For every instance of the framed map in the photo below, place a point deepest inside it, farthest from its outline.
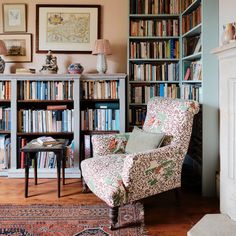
(67, 28)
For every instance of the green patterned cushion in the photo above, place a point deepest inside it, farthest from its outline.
(141, 141)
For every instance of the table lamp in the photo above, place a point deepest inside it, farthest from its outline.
(102, 48)
(3, 51)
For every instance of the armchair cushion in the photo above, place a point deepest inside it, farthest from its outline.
(140, 141)
(109, 144)
(103, 177)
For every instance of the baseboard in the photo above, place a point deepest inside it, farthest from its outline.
(44, 173)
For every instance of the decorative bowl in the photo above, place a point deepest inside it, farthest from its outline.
(75, 68)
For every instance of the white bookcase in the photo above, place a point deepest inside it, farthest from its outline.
(13, 171)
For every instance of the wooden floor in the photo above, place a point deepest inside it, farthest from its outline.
(162, 216)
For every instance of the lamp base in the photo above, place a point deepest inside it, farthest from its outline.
(2, 65)
(101, 64)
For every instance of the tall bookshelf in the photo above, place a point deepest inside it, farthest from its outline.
(31, 97)
(198, 28)
(153, 54)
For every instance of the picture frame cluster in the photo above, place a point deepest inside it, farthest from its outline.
(17, 41)
(59, 28)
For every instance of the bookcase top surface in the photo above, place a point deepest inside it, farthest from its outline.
(61, 76)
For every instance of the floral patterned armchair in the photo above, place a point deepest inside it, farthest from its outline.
(119, 178)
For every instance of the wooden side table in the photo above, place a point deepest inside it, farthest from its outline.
(31, 150)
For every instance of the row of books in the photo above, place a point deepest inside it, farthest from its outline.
(185, 4)
(163, 49)
(192, 45)
(194, 71)
(150, 72)
(5, 90)
(157, 28)
(154, 6)
(142, 94)
(45, 90)
(44, 159)
(191, 20)
(100, 119)
(41, 121)
(192, 92)
(100, 89)
(137, 115)
(5, 152)
(5, 118)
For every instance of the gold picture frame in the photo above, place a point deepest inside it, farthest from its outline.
(14, 17)
(19, 47)
(67, 28)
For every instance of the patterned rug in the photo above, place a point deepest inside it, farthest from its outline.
(69, 220)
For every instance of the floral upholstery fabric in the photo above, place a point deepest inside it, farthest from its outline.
(103, 177)
(109, 144)
(143, 174)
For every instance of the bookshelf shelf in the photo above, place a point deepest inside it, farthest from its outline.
(154, 82)
(5, 132)
(153, 60)
(45, 101)
(99, 100)
(5, 101)
(153, 37)
(191, 81)
(194, 31)
(138, 104)
(195, 56)
(191, 7)
(46, 134)
(154, 16)
(88, 132)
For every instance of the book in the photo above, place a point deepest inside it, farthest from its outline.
(187, 75)
(57, 107)
(47, 141)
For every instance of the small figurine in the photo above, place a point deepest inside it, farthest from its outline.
(51, 64)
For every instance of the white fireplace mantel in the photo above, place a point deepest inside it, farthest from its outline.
(224, 224)
(227, 102)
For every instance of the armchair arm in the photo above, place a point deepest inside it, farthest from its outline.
(148, 173)
(109, 144)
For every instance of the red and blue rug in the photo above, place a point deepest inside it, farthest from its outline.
(69, 220)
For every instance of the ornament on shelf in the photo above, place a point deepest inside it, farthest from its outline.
(75, 68)
(229, 34)
(50, 67)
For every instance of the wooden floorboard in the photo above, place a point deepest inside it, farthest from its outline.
(162, 216)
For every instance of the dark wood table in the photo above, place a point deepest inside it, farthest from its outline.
(31, 150)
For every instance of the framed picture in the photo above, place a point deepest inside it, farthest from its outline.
(14, 17)
(19, 47)
(67, 28)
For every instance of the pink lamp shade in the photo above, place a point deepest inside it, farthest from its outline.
(102, 46)
(3, 49)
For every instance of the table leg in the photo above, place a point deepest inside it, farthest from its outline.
(35, 169)
(63, 166)
(26, 174)
(58, 155)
